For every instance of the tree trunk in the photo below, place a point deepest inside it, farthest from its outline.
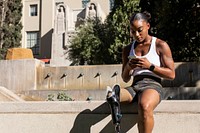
(3, 15)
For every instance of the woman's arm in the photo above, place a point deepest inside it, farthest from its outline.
(125, 64)
(167, 63)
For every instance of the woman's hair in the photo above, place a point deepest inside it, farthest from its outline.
(146, 16)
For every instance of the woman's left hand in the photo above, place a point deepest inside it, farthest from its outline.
(143, 63)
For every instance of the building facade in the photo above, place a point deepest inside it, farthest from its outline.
(45, 20)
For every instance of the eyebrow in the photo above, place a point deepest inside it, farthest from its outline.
(137, 28)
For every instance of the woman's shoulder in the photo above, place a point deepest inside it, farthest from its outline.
(160, 43)
(126, 50)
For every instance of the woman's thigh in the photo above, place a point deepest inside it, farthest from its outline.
(149, 98)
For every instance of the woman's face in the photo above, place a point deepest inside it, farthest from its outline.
(139, 30)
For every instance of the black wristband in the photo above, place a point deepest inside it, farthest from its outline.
(152, 67)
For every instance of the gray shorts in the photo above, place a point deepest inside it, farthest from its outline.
(145, 83)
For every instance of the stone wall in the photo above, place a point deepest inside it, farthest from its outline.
(79, 77)
(18, 75)
(100, 76)
(32, 74)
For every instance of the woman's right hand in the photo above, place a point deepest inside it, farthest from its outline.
(133, 63)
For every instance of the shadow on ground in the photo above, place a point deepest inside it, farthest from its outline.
(88, 118)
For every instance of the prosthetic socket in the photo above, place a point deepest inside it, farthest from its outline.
(113, 99)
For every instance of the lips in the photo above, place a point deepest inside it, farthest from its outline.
(139, 39)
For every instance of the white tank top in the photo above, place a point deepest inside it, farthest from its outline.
(152, 57)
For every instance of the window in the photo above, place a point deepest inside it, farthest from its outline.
(84, 3)
(33, 10)
(33, 42)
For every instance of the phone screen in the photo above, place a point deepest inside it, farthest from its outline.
(131, 57)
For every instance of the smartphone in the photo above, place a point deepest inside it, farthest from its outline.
(131, 57)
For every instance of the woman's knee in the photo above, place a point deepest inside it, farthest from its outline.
(145, 108)
(148, 100)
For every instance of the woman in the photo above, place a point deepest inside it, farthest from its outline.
(147, 59)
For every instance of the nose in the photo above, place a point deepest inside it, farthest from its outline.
(137, 34)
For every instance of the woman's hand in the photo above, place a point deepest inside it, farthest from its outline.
(133, 63)
(139, 62)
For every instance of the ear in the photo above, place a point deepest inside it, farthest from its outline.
(148, 25)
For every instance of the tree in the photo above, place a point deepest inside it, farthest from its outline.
(177, 23)
(101, 43)
(91, 44)
(119, 19)
(10, 25)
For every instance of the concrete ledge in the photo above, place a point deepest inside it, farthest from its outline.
(7, 95)
(166, 106)
(94, 117)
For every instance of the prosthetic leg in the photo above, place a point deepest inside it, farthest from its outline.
(113, 99)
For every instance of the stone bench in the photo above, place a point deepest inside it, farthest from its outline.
(177, 116)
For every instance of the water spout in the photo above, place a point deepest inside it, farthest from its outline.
(114, 74)
(47, 76)
(97, 75)
(80, 75)
(63, 76)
